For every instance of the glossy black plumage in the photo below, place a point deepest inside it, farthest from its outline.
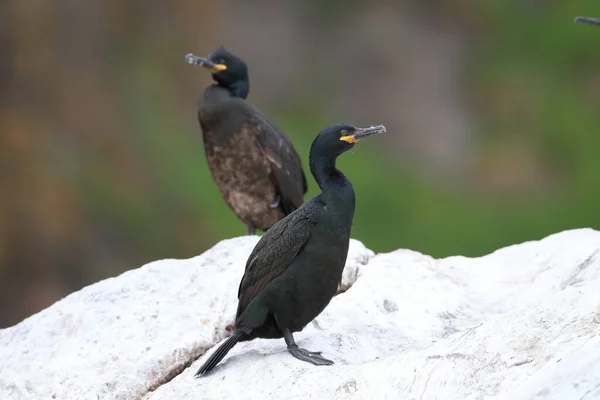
(253, 163)
(294, 270)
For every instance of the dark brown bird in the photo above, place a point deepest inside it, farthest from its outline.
(257, 170)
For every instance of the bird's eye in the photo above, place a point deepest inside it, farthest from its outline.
(343, 132)
(222, 61)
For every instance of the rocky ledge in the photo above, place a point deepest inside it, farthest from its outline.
(520, 323)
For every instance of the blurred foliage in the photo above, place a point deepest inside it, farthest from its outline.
(103, 166)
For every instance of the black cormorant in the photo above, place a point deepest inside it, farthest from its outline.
(587, 20)
(257, 170)
(296, 266)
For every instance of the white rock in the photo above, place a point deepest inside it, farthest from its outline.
(520, 323)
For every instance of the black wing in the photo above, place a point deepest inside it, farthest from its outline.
(286, 167)
(273, 254)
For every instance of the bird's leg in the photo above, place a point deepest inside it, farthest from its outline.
(250, 230)
(275, 202)
(313, 357)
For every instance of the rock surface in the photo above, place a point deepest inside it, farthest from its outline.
(520, 323)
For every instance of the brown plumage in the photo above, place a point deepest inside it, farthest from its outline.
(255, 166)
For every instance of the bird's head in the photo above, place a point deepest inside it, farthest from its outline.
(227, 69)
(337, 139)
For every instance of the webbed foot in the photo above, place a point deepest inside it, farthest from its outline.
(313, 357)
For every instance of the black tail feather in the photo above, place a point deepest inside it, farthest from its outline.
(221, 352)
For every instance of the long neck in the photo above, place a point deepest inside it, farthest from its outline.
(324, 171)
(336, 190)
(331, 180)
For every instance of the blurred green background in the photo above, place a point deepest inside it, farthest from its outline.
(492, 110)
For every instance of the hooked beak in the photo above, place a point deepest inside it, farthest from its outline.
(362, 133)
(586, 20)
(205, 62)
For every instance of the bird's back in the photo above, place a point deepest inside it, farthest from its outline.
(252, 161)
